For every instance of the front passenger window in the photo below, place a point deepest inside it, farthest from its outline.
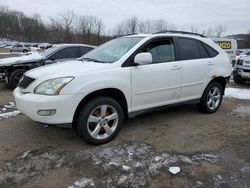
(161, 51)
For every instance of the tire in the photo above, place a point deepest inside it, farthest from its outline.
(237, 79)
(93, 124)
(25, 51)
(211, 98)
(14, 78)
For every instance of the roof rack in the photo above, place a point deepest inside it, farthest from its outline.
(181, 32)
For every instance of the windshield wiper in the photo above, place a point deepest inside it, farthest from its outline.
(94, 60)
(91, 59)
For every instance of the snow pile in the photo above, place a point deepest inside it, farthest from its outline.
(241, 111)
(83, 182)
(9, 114)
(237, 93)
(8, 110)
(174, 169)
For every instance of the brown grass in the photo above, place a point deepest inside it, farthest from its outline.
(4, 50)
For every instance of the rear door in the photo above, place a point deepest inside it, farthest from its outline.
(197, 66)
(159, 83)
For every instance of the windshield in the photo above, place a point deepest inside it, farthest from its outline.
(111, 51)
(47, 52)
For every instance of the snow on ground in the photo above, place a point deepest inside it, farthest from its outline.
(237, 93)
(83, 182)
(127, 165)
(174, 169)
(241, 111)
(8, 110)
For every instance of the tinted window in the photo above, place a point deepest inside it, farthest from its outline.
(161, 51)
(211, 51)
(203, 51)
(66, 53)
(189, 49)
(84, 50)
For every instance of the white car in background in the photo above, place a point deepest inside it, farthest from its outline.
(241, 71)
(124, 78)
(230, 46)
(20, 48)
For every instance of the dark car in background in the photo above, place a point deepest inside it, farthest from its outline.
(12, 69)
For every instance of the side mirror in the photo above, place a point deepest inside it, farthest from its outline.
(143, 59)
(49, 61)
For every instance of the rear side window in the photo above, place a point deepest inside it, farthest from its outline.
(211, 51)
(203, 51)
(84, 50)
(67, 53)
(161, 50)
(189, 49)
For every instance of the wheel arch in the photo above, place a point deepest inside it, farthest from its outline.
(221, 80)
(114, 93)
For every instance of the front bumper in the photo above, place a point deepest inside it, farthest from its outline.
(244, 73)
(65, 106)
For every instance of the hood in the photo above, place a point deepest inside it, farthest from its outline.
(245, 57)
(68, 68)
(35, 56)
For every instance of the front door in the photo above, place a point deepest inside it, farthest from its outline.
(159, 83)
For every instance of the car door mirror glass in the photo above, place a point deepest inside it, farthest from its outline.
(49, 61)
(143, 58)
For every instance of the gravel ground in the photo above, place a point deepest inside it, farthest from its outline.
(210, 150)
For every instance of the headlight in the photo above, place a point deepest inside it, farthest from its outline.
(53, 86)
(247, 62)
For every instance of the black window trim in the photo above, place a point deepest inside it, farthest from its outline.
(130, 60)
(202, 43)
(62, 48)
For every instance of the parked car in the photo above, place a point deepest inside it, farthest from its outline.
(241, 71)
(124, 78)
(13, 68)
(45, 46)
(20, 48)
(230, 46)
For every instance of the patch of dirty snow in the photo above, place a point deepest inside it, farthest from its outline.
(245, 169)
(174, 169)
(241, 111)
(8, 110)
(9, 114)
(127, 165)
(237, 93)
(126, 168)
(83, 182)
(10, 105)
(25, 154)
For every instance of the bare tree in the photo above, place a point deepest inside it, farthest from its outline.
(194, 29)
(209, 32)
(133, 25)
(64, 24)
(248, 39)
(220, 30)
(128, 26)
(90, 28)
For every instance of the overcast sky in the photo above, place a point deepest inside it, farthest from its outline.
(235, 15)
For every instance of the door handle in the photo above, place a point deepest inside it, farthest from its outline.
(176, 67)
(210, 63)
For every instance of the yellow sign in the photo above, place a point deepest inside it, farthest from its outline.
(225, 45)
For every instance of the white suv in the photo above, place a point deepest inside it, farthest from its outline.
(123, 78)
